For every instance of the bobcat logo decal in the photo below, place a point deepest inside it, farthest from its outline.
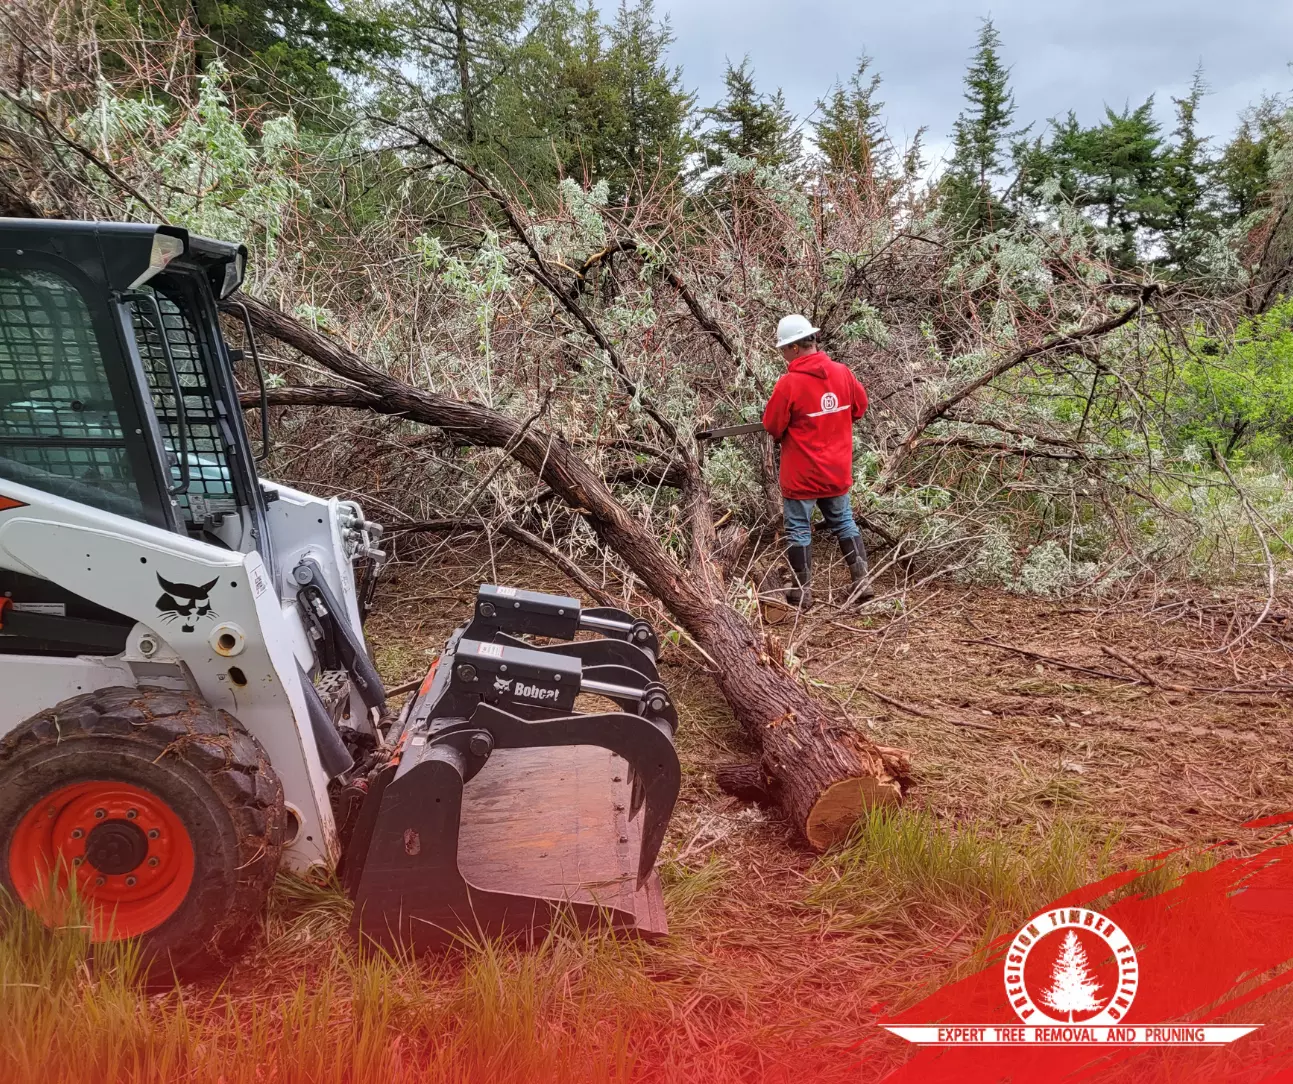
(187, 603)
(502, 685)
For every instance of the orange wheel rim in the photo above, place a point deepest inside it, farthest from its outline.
(128, 850)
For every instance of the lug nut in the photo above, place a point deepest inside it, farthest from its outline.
(77, 861)
(153, 833)
(77, 833)
(99, 814)
(98, 882)
(154, 860)
(131, 814)
(130, 882)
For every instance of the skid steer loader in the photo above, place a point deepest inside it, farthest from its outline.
(187, 701)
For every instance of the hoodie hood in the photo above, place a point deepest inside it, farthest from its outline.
(813, 364)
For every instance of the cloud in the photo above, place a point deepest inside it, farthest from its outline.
(1063, 56)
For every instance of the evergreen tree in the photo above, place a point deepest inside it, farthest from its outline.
(655, 105)
(1188, 188)
(285, 52)
(463, 49)
(1114, 171)
(980, 139)
(850, 134)
(750, 124)
(1244, 169)
(626, 113)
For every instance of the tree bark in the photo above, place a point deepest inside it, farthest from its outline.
(823, 772)
(748, 782)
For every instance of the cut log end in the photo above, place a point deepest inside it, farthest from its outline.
(839, 806)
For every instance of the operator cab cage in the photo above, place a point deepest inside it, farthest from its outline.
(115, 382)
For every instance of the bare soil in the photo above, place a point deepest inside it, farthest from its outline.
(1135, 729)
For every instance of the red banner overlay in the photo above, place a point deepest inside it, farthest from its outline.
(1088, 985)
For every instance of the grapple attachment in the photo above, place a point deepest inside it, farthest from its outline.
(503, 806)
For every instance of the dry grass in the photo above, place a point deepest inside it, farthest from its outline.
(778, 960)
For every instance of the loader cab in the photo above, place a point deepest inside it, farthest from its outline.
(116, 385)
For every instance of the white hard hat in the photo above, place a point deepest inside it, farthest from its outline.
(792, 328)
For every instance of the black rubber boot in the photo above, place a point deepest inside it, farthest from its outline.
(800, 559)
(855, 557)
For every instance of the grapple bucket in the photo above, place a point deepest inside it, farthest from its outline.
(502, 806)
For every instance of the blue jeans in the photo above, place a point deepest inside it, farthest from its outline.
(837, 511)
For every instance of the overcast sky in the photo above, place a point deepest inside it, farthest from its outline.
(1062, 54)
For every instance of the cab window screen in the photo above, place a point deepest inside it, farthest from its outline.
(210, 488)
(59, 427)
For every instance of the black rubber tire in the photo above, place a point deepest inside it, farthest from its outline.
(214, 775)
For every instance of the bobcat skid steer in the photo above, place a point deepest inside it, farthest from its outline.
(187, 702)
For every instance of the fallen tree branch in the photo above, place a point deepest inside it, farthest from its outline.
(1139, 676)
(1251, 515)
(539, 269)
(920, 713)
(827, 773)
(1067, 341)
(56, 132)
(513, 530)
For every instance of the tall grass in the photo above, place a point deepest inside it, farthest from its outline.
(305, 1004)
(557, 1012)
(903, 871)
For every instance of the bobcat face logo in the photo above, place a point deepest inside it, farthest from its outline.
(502, 685)
(185, 602)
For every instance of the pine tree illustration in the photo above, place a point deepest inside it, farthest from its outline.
(1073, 987)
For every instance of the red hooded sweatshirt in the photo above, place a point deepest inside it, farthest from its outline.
(811, 414)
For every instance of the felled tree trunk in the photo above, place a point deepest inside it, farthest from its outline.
(823, 773)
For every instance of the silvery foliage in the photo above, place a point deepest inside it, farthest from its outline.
(731, 475)
(1046, 570)
(784, 190)
(208, 174)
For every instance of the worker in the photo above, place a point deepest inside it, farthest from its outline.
(811, 415)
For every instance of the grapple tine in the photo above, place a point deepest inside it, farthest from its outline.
(600, 652)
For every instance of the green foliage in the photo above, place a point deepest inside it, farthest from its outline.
(536, 90)
(980, 139)
(285, 52)
(459, 52)
(1245, 168)
(1238, 397)
(749, 124)
(209, 175)
(850, 133)
(1188, 187)
(1113, 171)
